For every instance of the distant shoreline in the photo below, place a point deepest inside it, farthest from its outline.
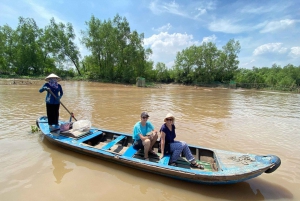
(18, 81)
(30, 81)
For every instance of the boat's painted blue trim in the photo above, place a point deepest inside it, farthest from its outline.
(130, 152)
(112, 143)
(216, 182)
(89, 136)
(165, 160)
(79, 144)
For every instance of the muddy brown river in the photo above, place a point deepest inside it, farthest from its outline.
(248, 121)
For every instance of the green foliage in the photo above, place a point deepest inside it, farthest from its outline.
(162, 73)
(29, 50)
(34, 128)
(206, 64)
(61, 43)
(117, 53)
(286, 78)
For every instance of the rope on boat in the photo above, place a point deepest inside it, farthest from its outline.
(244, 159)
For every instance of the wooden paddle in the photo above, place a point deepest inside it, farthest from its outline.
(71, 113)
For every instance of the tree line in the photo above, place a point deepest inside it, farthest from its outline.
(117, 54)
(277, 77)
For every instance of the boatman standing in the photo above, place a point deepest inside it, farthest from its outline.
(52, 103)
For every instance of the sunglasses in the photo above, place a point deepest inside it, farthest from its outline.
(169, 119)
(145, 117)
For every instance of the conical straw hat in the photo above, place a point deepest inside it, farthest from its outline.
(52, 75)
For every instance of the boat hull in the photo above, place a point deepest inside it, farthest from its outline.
(223, 167)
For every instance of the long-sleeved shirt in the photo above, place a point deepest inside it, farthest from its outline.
(49, 97)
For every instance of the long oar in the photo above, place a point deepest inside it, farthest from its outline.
(71, 113)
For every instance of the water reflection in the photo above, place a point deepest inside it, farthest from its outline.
(58, 162)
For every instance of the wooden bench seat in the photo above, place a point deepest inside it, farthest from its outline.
(130, 152)
(89, 136)
(112, 143)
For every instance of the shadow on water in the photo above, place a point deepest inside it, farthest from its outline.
(254, 189)
(57, 160)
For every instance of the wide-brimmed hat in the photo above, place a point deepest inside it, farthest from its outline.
(144, 114)
(169, 115)
(52, 75)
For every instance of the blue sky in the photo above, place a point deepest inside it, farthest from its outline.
(268, 31)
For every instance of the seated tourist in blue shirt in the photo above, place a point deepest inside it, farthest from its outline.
(141, 139)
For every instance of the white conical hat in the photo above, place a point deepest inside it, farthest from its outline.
(52, 75)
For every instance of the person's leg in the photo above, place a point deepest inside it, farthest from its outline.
(187, 152)
(189, 156)
(138, 144)
(153, 140)
(56, 113)
(146, 144)
(50, 115)
(176, 149)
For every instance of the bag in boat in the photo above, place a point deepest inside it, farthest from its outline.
(65, 126)
(82, 125)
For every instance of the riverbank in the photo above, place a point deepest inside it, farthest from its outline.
(29, 81)
(9, 81)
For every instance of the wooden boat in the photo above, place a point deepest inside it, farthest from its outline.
(220, 167)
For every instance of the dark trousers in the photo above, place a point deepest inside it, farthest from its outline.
(52, 113)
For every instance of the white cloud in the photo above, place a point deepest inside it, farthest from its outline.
(162, 7)
(255, 10)
(276, 25)
(227, 26)
(265, 8)
(192, 10)
(44, 13)
(270, 47)
(211, 38)
(295, 52)
(163, 28)
(201, 12)
(165, 46)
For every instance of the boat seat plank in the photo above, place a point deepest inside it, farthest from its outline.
(130, 152)
(112, 143)
(165, 160)
(89, 136)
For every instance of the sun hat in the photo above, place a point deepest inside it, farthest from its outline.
(52, 75)
(144, 114)
(169, 115)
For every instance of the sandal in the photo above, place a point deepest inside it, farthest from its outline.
(196, 165)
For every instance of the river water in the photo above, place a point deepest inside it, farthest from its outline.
(249, 121)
